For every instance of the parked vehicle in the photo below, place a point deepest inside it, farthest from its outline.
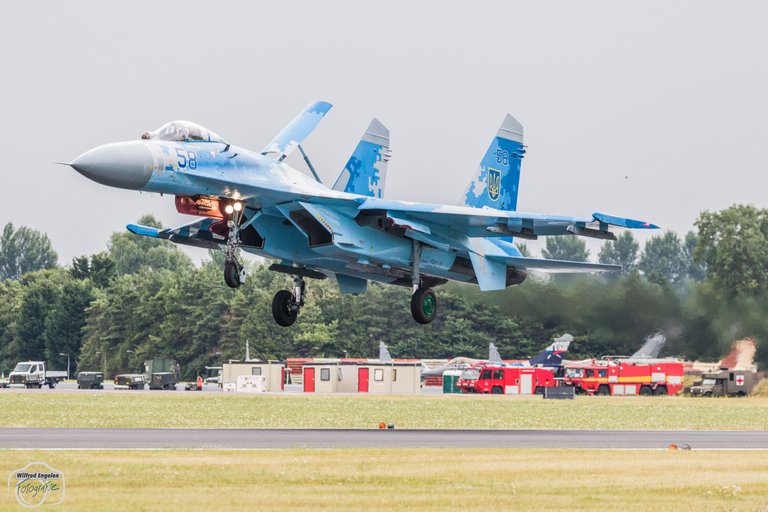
(162, 380)
(130, 381)
(624, 378)
(90, 380)
(32, 374)
(505, 380)
(161, 365)
(725, 382)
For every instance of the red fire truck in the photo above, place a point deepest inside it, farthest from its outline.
(625, 378)
(509, 380)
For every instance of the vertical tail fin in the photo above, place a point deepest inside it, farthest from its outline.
(498, 176)
(553, 354)
(493, 354)
(366, 170)
(384, 356)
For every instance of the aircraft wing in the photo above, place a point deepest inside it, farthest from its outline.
(489, 222)
(297, 130)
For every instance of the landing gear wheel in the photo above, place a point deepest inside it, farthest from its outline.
(284, 308)
(232, 274)
(424, 305)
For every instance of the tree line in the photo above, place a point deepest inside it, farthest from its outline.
(143, 298)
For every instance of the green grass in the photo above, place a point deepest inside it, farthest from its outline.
(404, 479)
(128, 409)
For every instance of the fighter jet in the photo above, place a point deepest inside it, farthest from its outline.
(550, 357)
(253, 201)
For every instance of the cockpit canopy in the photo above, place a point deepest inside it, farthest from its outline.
(183, 131)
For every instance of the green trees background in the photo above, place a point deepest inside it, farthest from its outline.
(143, 298)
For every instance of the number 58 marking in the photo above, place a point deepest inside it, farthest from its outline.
(188, 158)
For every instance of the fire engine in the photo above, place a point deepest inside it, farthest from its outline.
(625, 378)
(508, 380)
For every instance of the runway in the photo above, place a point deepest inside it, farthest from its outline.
(118, 438)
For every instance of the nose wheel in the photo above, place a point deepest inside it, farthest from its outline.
(286, 304)
(234, 273)
(424, 305)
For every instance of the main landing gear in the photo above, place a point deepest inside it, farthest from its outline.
(424, 305)
(423, 300)
(286, 304)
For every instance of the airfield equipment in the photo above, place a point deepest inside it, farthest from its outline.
(162, 380)
(725, 382)
(252, 200)
(623, 378)
(90, 380)
(130, 381)
(506, 380)
(159, 365)
(32, 374)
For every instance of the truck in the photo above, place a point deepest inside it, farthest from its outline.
(161, 365)
(162, 380)
(32, 374)
(130, 381)
(724, 382)
(506, 380)
(625, 378)
(90, 380)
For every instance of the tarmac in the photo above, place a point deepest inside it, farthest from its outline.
(141, 438)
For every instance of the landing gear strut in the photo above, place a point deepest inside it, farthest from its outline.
(423, 300)
(286, 304)
(234, 273)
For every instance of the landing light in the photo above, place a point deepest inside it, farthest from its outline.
(229, 209)
(238, 206)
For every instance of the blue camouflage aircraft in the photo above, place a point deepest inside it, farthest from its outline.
(255, 202)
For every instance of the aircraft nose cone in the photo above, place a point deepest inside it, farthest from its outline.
(122, 164)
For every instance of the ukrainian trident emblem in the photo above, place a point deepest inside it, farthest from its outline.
(494, 183)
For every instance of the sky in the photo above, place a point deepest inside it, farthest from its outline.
(654, 110)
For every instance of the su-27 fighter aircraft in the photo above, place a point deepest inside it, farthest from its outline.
(255, 202)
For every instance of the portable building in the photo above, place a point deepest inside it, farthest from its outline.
(272, 371)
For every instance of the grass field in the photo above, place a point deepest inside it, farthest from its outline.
(129, 409)
(404, 479)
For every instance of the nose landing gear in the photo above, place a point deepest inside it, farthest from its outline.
(234, 272)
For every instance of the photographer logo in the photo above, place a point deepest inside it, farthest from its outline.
(36, 484)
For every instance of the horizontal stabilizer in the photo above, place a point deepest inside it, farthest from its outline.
(297, 130)
(554, 266)
(491, 275)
